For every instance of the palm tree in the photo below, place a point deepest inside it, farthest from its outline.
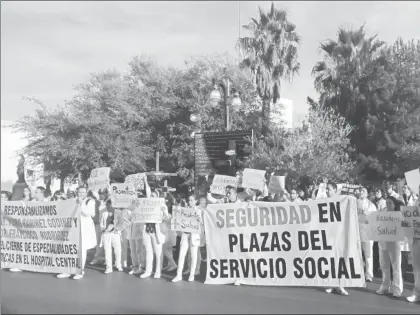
(271, 54)
(343, 76)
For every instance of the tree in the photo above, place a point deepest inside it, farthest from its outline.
(376, 88)
(270, 53)
(320, 150)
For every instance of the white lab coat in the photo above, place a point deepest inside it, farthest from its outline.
(87, 212)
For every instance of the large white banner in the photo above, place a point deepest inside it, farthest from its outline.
(41, 236)
(315, 243)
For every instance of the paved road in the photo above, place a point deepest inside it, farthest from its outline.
(119, 292)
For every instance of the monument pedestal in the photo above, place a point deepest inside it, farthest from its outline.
(17, 193)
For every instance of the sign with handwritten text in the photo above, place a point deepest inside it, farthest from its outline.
(385, 226)
(186, 220)
(411, 221)
(148, 210)
(220, 182)
(99, 178)
(122, 195)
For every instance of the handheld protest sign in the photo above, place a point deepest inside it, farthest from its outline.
(122, 195)
(276, 184)
(220, 182)
(137, 180)
(99, 178)
(186, 220)
(385, 226)
(148, 210)
(254, 179)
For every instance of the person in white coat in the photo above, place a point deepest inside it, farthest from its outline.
(389, 253)
(153, 239)
(189, 241)
(364, 208)
(331, 192)
(112, 223)
(86, 209)
(415, 296)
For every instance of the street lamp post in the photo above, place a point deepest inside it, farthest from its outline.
(215, 97)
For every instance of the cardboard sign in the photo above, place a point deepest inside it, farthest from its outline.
(99, 178)
(313, 243)
(413, 180)
(276, 185)
(411, 221)
(186, 220)
(385, 226)
(254, 179)
(137, 180)
(122, 195)
(220, 182)
(148, 210)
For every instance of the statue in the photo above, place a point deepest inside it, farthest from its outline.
(20, 185)
(21, 170)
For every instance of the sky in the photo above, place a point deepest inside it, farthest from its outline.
(49, 47)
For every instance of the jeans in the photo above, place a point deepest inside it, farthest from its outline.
(99, 253)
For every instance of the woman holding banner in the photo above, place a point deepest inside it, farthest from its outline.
(86, 209)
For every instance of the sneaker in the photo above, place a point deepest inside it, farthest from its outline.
(146, 275)
(329, 290)
(15, 270)
(382, 291)
(157, 275)
(413, 298)
(119, 269)
(191, 278)
(138, 271)
(237, 282)
(177, 278)
(63, 276)
(107, 271)
(133, 270)
(78, 277)
(369, 279)
(95, 261)
(342, 291)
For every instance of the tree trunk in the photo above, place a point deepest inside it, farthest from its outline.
(265, 116)
(47, 182)
(62, 180)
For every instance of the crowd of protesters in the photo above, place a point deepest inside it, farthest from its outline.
(108, 229)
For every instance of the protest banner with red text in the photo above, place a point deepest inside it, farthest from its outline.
(314, 243)
(41, 236)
